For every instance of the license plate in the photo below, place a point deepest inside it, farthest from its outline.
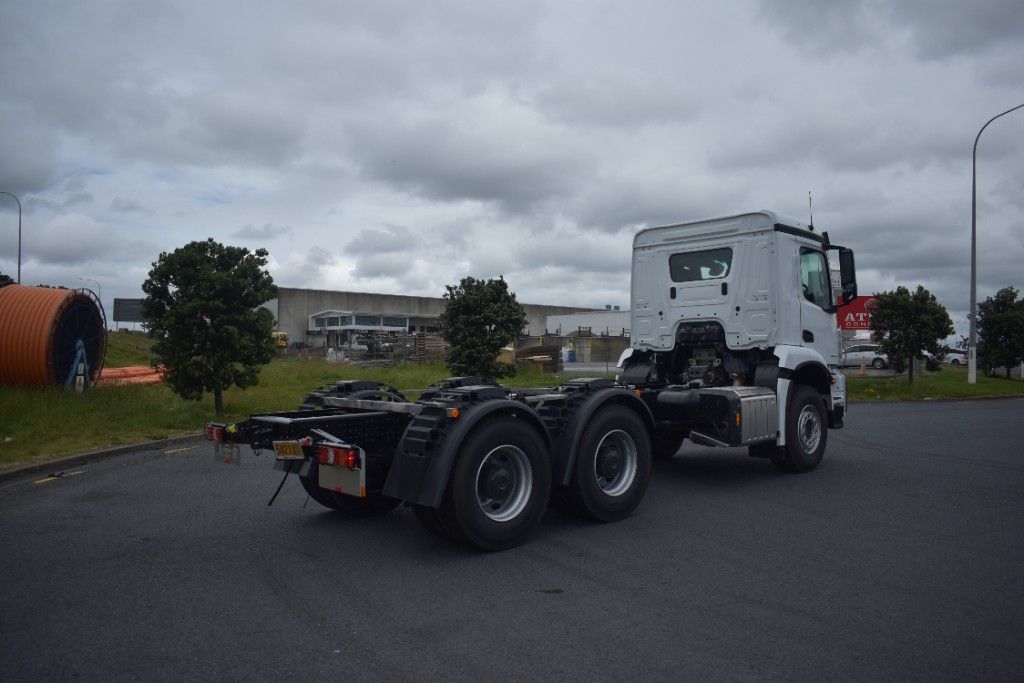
(288, 450)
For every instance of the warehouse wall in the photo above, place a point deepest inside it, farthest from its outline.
(294, 306)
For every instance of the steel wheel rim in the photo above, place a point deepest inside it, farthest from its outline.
(615, 462)
(504, 481)
(808, 428)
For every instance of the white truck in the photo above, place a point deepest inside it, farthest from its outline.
(734, 344)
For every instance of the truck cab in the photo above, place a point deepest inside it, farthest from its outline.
(743, 301)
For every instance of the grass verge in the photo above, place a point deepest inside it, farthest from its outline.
(948, 383)
(43, 423)
(40, 424)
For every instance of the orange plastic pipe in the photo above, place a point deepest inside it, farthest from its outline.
(29, 318)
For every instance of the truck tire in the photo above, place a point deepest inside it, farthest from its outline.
(375, 503)
(806, 432)
(613, 465)
(499, 487)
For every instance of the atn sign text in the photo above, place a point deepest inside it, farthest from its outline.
(856, 315)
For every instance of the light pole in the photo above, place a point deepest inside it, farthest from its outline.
(99, 290)
(19, 231)
(972, 347)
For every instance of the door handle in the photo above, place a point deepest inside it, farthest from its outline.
(808, 336)
(671, 292)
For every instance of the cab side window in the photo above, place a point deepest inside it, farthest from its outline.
(814, 278)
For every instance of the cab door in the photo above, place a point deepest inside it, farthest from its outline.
(817, 316)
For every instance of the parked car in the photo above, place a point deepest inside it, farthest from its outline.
(868, 354)
(955, 358)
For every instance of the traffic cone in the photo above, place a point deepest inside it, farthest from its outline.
(863, 369)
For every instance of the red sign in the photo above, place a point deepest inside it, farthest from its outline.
(856, 315)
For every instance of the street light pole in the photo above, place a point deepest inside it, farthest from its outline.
(972, 345)
(19, 231)
(99, 289)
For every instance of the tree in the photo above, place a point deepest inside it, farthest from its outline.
(479, 318)
(6, 280)
(906, 324)
(1001, 330)
(202, 307)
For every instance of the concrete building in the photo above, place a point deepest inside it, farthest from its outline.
(322, 318)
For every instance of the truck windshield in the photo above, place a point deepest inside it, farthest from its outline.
(710, 264)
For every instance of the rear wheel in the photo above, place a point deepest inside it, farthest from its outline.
(375, 503)
(613, 465)
(806, 432)
(878, 364)
(499, 486)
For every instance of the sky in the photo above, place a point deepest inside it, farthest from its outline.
(399, 146)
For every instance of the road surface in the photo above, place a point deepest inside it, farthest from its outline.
(901, 557)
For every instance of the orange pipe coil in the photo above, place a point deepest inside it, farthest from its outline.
(39, 328)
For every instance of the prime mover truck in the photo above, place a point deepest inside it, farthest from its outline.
(733, 344)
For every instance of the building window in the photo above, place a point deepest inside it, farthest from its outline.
(319, 322)
(332, 321)
(368, 320)
(391, 321)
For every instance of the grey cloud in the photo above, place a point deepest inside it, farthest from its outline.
(936, 29)
(619, 100)
(262, 232)
(381, 265)
(122, 205)
(393, 238)
(74, 239)
(471, 159)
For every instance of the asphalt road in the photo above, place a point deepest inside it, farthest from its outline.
(900, 557)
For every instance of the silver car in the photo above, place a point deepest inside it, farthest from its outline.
(868, 354)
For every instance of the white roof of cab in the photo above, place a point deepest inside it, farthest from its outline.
(754, 221)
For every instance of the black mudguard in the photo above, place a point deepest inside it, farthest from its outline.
(566, 445)
(426, 454)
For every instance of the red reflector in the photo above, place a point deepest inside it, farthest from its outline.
(351, 459)
(305, 441)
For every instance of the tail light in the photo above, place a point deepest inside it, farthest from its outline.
(338, 456)
(214, 432)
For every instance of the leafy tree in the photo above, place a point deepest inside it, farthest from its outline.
(480, 317)
(1001, 330)
(202, 307)
(6, 280)
(906, 323)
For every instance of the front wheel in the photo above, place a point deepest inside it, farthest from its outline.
(613, 466)
(806, 432)
(499, 487)
(878, 364)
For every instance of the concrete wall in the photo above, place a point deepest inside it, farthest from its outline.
(294, 306)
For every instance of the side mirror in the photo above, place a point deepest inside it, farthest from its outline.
(847, 275)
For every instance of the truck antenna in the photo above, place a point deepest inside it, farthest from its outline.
(810, 208)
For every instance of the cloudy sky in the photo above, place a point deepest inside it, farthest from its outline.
(398, 146)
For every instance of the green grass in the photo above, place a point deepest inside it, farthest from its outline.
(127, 348)
(43, 423)
(40, 424)
(947, 383)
